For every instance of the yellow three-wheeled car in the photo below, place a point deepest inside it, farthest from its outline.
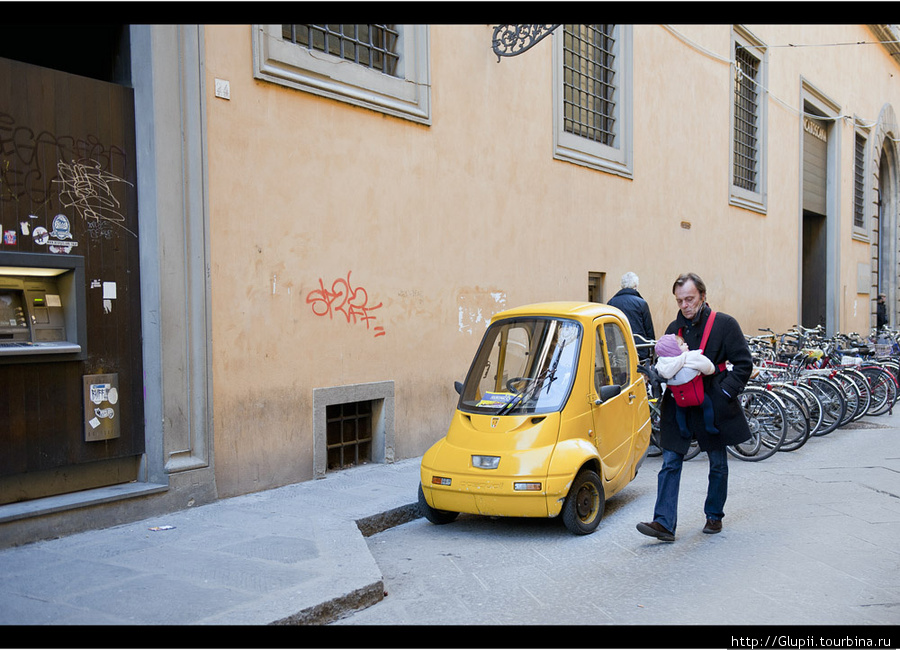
(552, 420)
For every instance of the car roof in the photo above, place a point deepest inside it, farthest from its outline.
(584, 311)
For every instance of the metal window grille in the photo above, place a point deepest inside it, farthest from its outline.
(373, 46)
(746, 119)
(589, 82)
(348, 434)
(859, 182)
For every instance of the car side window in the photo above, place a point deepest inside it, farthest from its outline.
(601, 371)
(617, 350)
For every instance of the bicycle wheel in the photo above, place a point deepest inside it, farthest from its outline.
(813, 406)
(765, 413)
(884, 389)
(853, 396)
(891, 364)
(834, 405)
(797, 418)
(865, 391)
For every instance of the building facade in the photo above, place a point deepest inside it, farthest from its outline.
(317, 223)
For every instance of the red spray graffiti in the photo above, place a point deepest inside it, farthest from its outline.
(343, 298)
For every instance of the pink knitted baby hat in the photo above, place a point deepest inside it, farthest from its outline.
(668, 346)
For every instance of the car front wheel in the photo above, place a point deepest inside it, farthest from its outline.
(432, 515)
(584, 504)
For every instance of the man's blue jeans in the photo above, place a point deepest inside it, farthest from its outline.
(669, 480)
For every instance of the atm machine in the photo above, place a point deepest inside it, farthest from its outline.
(43, 319)
(42, 308)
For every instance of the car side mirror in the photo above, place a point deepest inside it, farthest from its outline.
(608, 392)
(458, 386)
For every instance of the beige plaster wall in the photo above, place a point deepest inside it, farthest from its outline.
(437, 227)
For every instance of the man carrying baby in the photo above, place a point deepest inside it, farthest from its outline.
(727, 350)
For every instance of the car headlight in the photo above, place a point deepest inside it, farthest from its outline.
(485, 462)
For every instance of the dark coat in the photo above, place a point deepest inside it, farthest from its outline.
(726, 343)
(880, 314)
(637, 310)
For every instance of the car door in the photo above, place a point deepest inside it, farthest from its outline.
(614, 415)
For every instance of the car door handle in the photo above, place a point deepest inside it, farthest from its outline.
(631, 397)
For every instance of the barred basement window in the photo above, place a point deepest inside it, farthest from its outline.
(859, 183)
(589, 82)
(349, 434)
(746, 119)
(373, 46)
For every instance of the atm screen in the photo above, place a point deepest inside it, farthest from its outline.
(12, 309)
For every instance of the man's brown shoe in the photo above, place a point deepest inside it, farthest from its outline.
(713, 526)
(654, 529)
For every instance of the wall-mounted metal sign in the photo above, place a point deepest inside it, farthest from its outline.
(510, 40)
(101, 406)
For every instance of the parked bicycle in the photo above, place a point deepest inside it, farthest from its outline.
(804, 385)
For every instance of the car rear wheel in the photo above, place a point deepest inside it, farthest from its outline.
(584, 504)
(434, 516)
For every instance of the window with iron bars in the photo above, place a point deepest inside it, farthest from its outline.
(589, 82)
(349, 434)
(372, 46)
(859, 182)
(384, 68)
(746, 120)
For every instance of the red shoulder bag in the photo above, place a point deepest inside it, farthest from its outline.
(691, 393)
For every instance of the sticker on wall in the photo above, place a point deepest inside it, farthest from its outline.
(100, 411)
(99, 392)
(55, 246)
(61, 228)
(25, 227)
(104, 413)
(61, 235)
(9, 237)
(40, 236)
(109, 294)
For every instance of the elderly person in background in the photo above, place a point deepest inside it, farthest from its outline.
(636, 309)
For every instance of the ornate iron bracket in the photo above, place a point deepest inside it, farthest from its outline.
(510, 40)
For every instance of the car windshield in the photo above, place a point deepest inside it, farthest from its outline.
(525, 365)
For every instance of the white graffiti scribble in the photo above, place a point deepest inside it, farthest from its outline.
(88, 189)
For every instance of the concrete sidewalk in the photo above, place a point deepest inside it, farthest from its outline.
(292, 555)
(300, 554)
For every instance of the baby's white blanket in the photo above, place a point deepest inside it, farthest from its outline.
(684, 367)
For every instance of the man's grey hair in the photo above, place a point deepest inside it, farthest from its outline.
(630, 280)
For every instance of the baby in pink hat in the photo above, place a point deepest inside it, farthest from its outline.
(679, 365)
